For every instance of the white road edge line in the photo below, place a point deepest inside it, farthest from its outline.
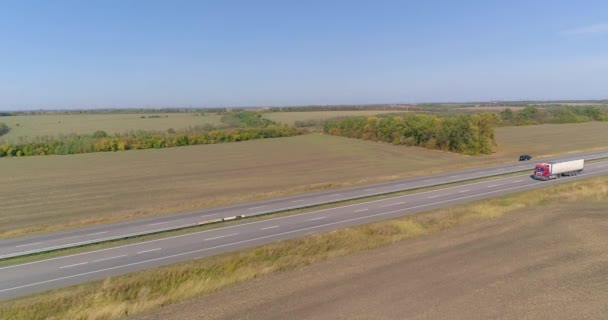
(250, 240)
(261, 221)
(73, 265)
(149, 250)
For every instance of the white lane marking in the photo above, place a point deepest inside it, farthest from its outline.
(248, 223)
(428, 180)
(235, 243)
(96, 233)
(219, 237)
(73, 265)
(453, 176)
(27, 245)
(298, 200)
(313, 219)
(463, 191)
(157, 223)
(392, 204)
(334, 195)
(271, 227)
(370, 189)
(361, 210)
(149, 250)
(432, 197)
(250, 240)
(516, 181)
(110, 258)
(253, 208)
(494, 185)
(602, 166)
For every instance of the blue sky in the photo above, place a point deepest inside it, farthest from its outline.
(91, 54)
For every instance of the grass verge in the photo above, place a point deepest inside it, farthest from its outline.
(115, 298)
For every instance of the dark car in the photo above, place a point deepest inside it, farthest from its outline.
(525, 157)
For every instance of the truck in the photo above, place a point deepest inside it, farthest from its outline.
(554, 170)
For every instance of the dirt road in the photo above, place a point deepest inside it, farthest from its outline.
(547, 263)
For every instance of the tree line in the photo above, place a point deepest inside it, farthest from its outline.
(534, 115)
(4, 129)
(467, 134)
(242, 126)
(102, 142)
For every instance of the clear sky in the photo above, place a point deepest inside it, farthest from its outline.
(82, 54)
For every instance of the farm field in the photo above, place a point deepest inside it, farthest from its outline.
(55, 192)
(545, 262)
(291, 117)
(29, 126)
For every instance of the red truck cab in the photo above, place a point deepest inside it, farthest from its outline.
(542, 171)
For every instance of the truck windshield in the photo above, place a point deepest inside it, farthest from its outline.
(539, 169)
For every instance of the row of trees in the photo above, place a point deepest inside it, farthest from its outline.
(4, 129)
(102, 142)
(535, 115)
(467, 134)
(343, 108)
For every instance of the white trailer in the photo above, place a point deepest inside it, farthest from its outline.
(554, 170)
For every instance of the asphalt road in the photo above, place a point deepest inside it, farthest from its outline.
(76, 237)
(28, 278)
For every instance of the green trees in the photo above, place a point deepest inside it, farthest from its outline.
(98, 142)
(4, 129)
(468, 134)
(534, 115)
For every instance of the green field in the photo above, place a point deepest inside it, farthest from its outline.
(291, 117)
(54, 192)
(52, 125)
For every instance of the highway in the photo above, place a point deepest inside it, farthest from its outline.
(28, 278)
(76, 237)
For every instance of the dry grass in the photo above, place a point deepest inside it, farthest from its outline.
(41, 194)
(291, 117)
(552, 139)
(137, 292)
(52, 125)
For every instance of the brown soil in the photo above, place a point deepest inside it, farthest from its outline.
(546, 263)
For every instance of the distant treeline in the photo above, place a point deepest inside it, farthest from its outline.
(467, 134)
(122, 111)
(535, 115)
(243, 126)
(342, 108)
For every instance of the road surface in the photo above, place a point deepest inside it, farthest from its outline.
(72, 238)
(28, 278)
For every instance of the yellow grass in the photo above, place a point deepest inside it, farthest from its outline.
(57, 192)
(134, 293)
